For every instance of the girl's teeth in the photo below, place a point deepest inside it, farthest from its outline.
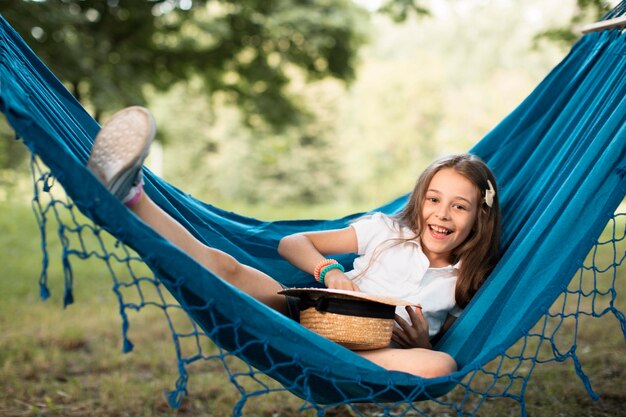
(440, 229)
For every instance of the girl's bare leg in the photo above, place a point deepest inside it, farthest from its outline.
(250, 280)
(421, 362)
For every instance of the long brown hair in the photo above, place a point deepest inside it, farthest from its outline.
(480, 252)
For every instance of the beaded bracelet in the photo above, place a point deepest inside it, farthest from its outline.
(327, 268)
(318, 268)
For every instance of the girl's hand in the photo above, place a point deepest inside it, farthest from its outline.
(414, 334)
(338, 280)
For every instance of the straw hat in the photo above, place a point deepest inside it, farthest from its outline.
(356, 320)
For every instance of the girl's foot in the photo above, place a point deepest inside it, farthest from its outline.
(119, 150)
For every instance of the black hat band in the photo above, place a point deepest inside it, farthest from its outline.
(349, 307)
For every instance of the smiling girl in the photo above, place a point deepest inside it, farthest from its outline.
(435, 253)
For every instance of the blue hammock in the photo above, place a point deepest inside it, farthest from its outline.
(560, 160)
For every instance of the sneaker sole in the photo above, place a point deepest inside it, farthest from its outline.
(120, 148)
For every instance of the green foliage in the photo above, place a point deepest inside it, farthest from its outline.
(107, 52)
(587, 11)
(400, 10)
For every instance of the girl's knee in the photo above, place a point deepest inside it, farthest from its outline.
(443, 364)
(223, 264)
(430, 364)
(421, 362)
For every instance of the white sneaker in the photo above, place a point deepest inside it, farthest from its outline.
(120, 148)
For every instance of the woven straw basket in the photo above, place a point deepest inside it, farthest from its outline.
(356, 333)
(353, 319)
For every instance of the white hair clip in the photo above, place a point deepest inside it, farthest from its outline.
(490, 194)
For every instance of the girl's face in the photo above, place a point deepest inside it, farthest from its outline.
(449, 212)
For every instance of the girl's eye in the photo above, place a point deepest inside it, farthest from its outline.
(460, 207)
(432, 199)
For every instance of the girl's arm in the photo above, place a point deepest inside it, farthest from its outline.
(307, 250)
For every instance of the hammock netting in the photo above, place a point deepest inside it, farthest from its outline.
(560, 161)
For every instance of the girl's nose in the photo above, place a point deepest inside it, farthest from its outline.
(443, 212)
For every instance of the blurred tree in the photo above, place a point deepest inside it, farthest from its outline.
(108, 51)
(587, 11)
(400, 10)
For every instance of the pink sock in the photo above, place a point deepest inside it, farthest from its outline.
(133, 195)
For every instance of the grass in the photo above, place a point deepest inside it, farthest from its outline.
(69, 362)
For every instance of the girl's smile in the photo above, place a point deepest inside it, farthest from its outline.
(448, 213)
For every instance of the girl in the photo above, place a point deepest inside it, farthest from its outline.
(436, 253)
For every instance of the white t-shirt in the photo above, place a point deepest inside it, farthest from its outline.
(398, 268)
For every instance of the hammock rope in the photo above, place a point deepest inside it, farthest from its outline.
(573, 126)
